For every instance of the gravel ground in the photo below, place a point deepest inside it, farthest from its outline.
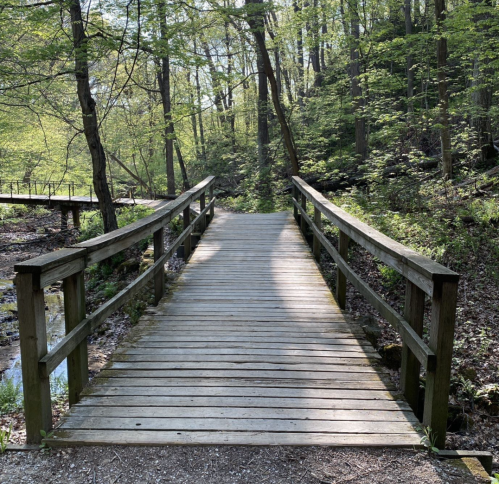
(227, 465)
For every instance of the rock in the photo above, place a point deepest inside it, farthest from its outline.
(457, 420)
(468, 373)
(371, 329)
(392, 355)
(128, 266)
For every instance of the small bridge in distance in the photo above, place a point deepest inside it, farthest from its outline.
(249, 347)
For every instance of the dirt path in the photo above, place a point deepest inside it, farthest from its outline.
(228, 465)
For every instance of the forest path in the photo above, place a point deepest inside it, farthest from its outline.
(249, 348)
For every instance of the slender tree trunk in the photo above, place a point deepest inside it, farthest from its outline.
(357, 98)
(185, 179)
(164, 87)
(217, 89)
(89, 116)
(260, 41)
(263, 108)
(193, 117)
(442, 90)
(301, 61)
(482, 93)
(409, 60)
(200, 114)
(230, 97)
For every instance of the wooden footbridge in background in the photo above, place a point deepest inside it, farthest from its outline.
(249, 347)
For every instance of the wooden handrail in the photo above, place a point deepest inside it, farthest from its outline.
(68, 265)
(423, 275)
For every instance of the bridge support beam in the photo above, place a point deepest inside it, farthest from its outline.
(187, 241)
(443, 317)
(33, 334)
(76, 217)
(341, 279)
(64, 217)
(159, 277)
(74, 313)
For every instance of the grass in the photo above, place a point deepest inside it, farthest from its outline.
(10, 396)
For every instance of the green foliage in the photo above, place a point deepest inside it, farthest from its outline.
(110, 289)
(428, 439)
(10, 396)
(4, 438)
(44, 448)
(494, 479)
(92, 226)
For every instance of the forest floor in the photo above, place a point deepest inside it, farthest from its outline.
(230, 465)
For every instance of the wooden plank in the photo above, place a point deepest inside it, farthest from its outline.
(244, 413)
(199, 373)
(242, 366)
(152, 357)
(247, 425)
(311, 388)
(140, 437)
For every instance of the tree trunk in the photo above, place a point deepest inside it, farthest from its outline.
(357, 98)
(200, 114)
(409, 60)
(482, 93)
(89, 116)
(187, 186)
(260, 41)
(299, 47)
(164, 87)
(442, 90)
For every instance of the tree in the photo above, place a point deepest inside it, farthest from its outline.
(89, 117)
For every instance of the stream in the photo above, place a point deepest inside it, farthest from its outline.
(9, 328)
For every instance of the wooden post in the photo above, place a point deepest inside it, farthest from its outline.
(187, 241)
(212, 209)
(159, 277)
(202, 205)
(64, 217)
(341, 280)
(296, 196)
(443, 316)
(409, 371)
(303, 224)
(317, 245)
(74, 313)
(76, 217)
(33, 335)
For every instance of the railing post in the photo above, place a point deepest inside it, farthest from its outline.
(33, 336)
(296, 196)
(303, 224)
(317, 245)
(159, 277)
(212, 209)
(341, 280)
(74, 313)
(443, 316)
(409, 371)
(187, 241)
(202, 206)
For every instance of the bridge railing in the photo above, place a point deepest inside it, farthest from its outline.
(424, 277)
(68, 265)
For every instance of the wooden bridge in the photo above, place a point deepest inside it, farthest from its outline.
(73, 203)
(249, 347)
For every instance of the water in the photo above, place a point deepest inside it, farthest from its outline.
(54, 317)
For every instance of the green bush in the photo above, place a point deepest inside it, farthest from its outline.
(10, 396)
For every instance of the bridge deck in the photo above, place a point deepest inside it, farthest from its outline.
(75, 200)
(249, 348)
